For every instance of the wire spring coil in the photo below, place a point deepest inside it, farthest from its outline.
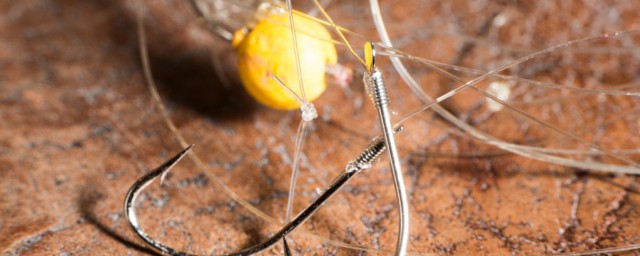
(373, 151)
(376, 88)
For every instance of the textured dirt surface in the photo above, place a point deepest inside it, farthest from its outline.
(79, 125)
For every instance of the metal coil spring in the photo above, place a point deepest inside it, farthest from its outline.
(376, 88)
(372, 152)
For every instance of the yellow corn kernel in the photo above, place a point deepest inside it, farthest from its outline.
(267, 50)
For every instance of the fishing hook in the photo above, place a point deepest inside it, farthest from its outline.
(362, 162)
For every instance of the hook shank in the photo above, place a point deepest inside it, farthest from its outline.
(376, 88)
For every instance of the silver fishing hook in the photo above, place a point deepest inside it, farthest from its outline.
(362, 162)
(377, 90)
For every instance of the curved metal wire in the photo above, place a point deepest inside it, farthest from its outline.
(363, 161)
(376, 88)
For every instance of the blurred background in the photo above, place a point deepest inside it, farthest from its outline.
(79, 126)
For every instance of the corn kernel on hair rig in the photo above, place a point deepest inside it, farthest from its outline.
(364, 161)
(270, 68)
(267, 64)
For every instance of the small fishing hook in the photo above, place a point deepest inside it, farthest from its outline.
(362, 162)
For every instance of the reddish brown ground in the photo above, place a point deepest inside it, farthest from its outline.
(79, 126)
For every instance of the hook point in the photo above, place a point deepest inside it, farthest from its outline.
(167, 166)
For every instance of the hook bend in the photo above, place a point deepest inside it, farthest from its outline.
(362, 162)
